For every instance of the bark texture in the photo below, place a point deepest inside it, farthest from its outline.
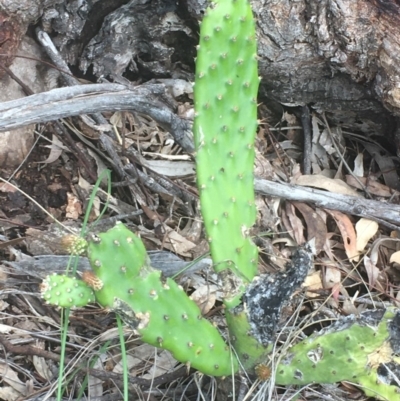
(338, 56)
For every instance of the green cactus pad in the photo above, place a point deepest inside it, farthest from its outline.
(65, 291)
(117, 255)
(249, 350)
(353, 349)
(157, 308)
(224, 130)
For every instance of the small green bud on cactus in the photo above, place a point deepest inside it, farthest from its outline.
(65, 291)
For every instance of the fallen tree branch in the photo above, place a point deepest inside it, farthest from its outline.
(385, 213)
(89, 99)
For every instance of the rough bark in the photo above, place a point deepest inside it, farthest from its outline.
(338, 56)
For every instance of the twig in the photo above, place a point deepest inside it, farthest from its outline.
(384, 213)
(27, 350)
(76, 100)
(57, 128)
(306, 121)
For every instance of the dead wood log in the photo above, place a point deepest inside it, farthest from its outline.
(337, 56)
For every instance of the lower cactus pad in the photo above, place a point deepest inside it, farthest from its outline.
(156, 308)
(354, 349)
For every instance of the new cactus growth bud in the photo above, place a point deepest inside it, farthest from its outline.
(66, 292)
(73, 244)
(156, 308)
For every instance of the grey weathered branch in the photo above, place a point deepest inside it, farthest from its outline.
(76, 100)
(384, 213)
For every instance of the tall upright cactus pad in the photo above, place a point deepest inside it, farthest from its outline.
(157, 308)
(66, 292)
(364, 351)
(225, 124)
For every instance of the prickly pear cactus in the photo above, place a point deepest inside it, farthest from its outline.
(361, 350)
(66, 292)
(225, 97)
(224, 129)
(157, 308)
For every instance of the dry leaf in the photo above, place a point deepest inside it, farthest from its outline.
(349, 308)
(163, 363)
(365, 229)
(332, 277)
(395, 257)
(56, 149)
(389, 243)
(359, 165)
(177, 243)
(387, 165)
(137, 357)
(296, 226)
(10, 377)
(9, 394)
(372, 271)
(348, 234)
(95, 385)
(7, 187)
(41, 365)
(372, 186)
(329, 184)
(316, 227)
(313, 283)
(95, 211)
(171, 168)
(74, 207)
(205, 297)
(42, 368)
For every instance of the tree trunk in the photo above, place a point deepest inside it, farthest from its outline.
(338, 56)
